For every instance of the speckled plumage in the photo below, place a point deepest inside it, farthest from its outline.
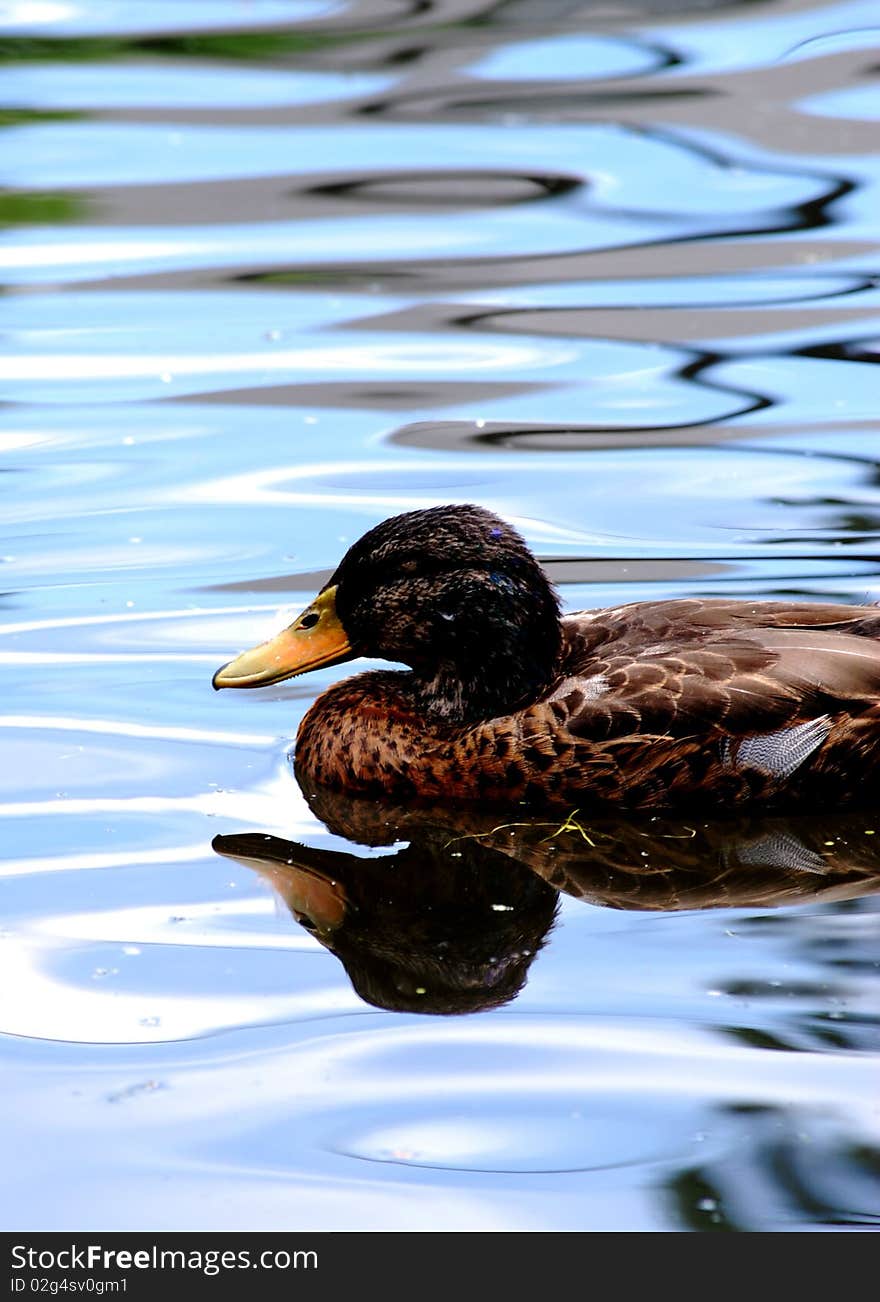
(719, 703)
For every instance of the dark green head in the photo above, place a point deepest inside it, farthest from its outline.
(452, 591)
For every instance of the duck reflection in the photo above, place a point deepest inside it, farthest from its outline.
(451, 922)
(442, 925)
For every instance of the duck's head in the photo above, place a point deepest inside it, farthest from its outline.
(452, 591)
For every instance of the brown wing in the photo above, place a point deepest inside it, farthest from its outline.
(698, 668)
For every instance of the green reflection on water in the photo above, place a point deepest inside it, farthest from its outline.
(40, 207)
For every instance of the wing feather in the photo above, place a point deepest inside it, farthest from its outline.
(688, 668)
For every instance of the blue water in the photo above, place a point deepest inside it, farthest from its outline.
(275, 271)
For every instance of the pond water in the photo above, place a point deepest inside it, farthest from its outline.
(274, 271)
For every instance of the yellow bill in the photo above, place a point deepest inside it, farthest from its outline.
(317, 638)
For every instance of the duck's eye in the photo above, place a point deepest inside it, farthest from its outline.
(309, 620)
(408, 567)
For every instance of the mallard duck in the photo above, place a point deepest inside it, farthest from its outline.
(710, 702)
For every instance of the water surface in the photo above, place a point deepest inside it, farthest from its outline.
(272, 272)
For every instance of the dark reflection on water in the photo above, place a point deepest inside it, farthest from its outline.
(451, 922)
(268, 274)
(777, 1179)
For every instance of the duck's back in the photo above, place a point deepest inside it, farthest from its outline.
(710, 703)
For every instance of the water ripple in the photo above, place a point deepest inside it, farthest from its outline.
(273, 272)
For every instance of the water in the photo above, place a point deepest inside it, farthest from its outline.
(273, 272)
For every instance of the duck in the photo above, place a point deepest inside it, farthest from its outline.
(712, 703)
